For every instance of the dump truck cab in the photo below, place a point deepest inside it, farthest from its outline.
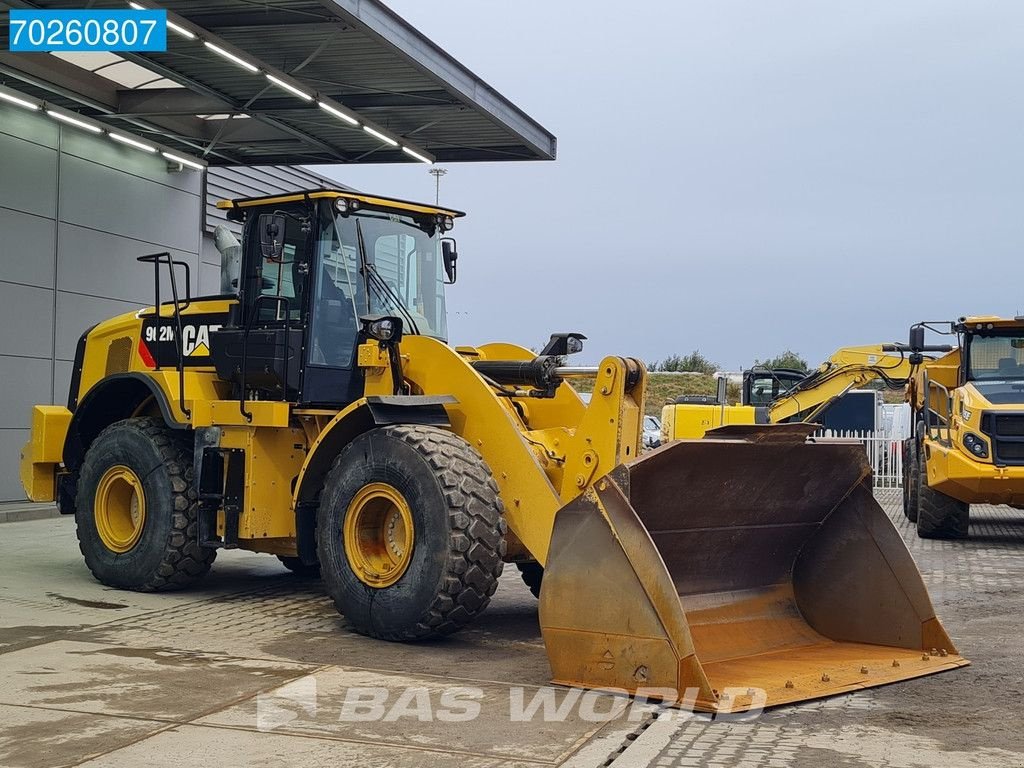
(968, 411)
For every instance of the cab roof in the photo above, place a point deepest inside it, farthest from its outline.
(981, 322)
(315, 194)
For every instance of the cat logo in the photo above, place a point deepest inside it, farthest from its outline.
(195, 340)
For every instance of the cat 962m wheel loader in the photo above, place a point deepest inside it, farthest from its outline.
(319, 415)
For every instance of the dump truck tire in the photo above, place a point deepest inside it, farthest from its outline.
(410, 533)
(299, 568)
(136, 509)
(533, 575)
(911, 479)
(940, 516)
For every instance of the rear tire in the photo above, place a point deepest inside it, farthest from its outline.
(410, 533)
(911, 479)
(136, 509)
(533, 576)
(940, 516)
(299, 568)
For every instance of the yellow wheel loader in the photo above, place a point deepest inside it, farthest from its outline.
(968, 411)
(318, 414)
(777, 395)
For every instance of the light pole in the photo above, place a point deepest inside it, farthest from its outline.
(437, 173)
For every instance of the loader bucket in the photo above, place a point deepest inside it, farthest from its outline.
(753, 568)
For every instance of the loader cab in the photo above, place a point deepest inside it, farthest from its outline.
(313, 265)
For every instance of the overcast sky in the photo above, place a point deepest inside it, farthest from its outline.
(739, 177)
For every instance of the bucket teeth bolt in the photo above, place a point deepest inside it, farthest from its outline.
(789, 683)
(925, 657)
(943, 652)
(824, 677)
(863, 670)
(935, 652)
(895, 662)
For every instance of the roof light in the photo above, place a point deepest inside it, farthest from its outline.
(73, 121)
(231, 57)
(381, 136)
(180, 30)
(20, 102)
(338, 113)
(132, 142)
(184, 161)
(289, 87)
(417, 155)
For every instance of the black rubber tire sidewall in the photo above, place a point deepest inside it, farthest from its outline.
(911, 479)
(389, 612)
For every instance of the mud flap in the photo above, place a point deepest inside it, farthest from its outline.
(751, 569)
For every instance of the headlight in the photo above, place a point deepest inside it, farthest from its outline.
(386, 329)
(975, 445)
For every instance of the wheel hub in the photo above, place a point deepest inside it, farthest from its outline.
(119, 509)
(378, 535)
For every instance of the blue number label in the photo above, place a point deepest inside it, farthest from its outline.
(108, 30)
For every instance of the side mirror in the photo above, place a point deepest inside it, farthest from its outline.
(271, 229)
(451, 257)
(916, 338)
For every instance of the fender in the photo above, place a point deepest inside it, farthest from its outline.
(114, 398)
(360, 416)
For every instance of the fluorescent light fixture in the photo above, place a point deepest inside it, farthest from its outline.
(289, 87)
(184, 161)
(20, 102)
(180, 30)
(132, 142)
(417, 155)
(338, 113)
(72, 121)
(381, 136)
(231, 57)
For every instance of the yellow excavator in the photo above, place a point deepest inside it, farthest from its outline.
(777, 395)
(968, 412)
(318, 414)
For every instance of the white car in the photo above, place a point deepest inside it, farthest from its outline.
(652, 432)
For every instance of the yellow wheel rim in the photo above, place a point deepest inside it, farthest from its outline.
(119, 508)
(378, 535)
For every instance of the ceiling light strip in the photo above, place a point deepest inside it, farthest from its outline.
(132, 142)
(231, 57)
(338, 113)
(417, 155)
(10, 97)
(289, 87)
(74, 121)
(186, 33)
(377, 134)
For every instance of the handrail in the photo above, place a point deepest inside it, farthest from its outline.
(156, 259)
(947, 400)
(278, 301)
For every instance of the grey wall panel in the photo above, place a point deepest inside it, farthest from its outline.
(27, 244)
(98, 197)
(28, 177)
(86, 256)
(26, 321)
(61, 381)
(99, 149)
(209, 278)
(11, 441)
(24, 385)
(15, 121)
(77, 313)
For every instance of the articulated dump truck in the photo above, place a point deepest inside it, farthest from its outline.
(316, 413)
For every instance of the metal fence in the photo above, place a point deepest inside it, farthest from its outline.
(885, 454)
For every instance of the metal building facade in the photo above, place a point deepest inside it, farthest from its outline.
(75, 212)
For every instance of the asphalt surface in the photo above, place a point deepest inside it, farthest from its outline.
(254, 667)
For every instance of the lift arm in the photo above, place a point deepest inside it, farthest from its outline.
(847, 368)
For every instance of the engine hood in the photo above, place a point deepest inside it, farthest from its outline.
(1009, 392)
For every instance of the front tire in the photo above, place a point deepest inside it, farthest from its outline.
(410, 533)
(911, 479)
(136, 509)
(940, 516)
